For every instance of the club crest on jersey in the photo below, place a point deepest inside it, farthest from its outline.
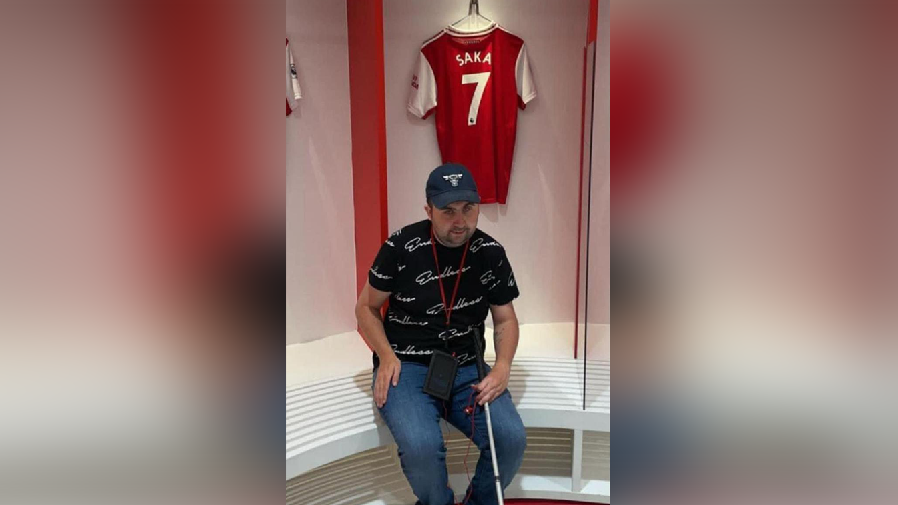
(453, 179)
(415, 82)
(475, 58)
(293, 71)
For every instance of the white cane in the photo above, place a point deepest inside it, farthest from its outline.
(481, 372)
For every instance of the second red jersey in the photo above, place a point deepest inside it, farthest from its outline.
(475, 83)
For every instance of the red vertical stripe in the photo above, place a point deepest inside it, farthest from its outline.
(200, 155)
(369, 138)
(593, 33)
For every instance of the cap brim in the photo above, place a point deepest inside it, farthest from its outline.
(443, 200)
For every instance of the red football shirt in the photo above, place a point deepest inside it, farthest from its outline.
(475, 83)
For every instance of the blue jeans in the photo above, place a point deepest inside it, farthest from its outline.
(413, 418)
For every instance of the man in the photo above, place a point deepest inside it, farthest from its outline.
(442, 276)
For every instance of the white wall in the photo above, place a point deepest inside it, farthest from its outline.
(320, 220)
(539, 225)
(600, 220)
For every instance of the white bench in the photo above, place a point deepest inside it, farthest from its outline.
(339, 451)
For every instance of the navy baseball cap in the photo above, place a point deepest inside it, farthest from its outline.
(451, 183)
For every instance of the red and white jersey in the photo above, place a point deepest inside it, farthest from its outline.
(475, 83)
(293, 91)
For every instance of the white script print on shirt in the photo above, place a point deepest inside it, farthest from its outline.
(462, 304)
(479, 244)
(415, 244)
(455, 333)
(428, 276)
(375, 273)
(406, 321)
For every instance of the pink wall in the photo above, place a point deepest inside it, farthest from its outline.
(321, 277)
(600, 219)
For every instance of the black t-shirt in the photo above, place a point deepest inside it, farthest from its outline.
(415, 322)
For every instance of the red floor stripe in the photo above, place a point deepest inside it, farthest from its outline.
(539, 502)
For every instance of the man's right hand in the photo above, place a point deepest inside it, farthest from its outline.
(387, 374)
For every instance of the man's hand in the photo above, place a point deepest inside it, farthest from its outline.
(494, 385)
(387, 373)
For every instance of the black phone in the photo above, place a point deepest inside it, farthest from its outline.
(441, 375)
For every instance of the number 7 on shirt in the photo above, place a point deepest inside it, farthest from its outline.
(480, 80)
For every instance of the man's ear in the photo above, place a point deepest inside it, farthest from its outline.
(429, 211)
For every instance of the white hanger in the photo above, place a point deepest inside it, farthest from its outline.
(473, 22)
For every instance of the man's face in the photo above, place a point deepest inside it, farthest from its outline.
(455, 224)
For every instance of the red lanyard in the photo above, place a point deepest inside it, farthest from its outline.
(461, 269)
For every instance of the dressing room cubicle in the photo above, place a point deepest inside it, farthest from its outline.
(357, 161)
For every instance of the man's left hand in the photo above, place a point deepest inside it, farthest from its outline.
(494, 385)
